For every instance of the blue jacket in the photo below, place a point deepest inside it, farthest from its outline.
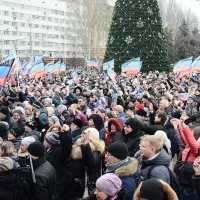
(122, 116)
(126, 172)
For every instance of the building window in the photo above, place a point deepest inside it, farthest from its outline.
(6, 13)
(6, 22)
(68, 53)
(22, 24)
(37, 26)
(50, 19)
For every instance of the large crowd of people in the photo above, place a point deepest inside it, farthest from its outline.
(129, 139)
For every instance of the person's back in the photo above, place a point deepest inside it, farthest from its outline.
(45, 173)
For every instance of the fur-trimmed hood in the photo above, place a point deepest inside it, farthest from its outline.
(169, 192)
(119, 124)
(127, 169)
(95, 145)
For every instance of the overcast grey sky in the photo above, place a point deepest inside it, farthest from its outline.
(193, 4)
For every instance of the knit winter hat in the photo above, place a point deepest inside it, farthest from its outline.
(110, 184)
(152, 189)
(36, 149)
(49, 100)
(16, 132)
(31, 125)
(119, 150)
(82, 117)
(193, 97)
(5, 110)
(36, 105)
(52, 138)
(78, 123)
(27, 141)
(139, 106)
(54, 119)
(109, 114)
(17, 111)
(6, 164)
(4, 127)
(119, 108)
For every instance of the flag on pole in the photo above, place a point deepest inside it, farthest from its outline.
(56, 68)
(5, 67)
(93, 63)
(183, 96)
(49, 66)
(111, 74)
(27, 67)
(183, 65)
(12, 55)
(62, 67)
(75, 77)
(16, 67)
(37, 67)
(109, 64)
(195, 67)
(132, 66)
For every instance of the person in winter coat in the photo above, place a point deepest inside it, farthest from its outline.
(15, 136)
(17, 116)
(131, 135)
(53, 121)
(5, 116)
(58, 147)
(4, 128)
(108, 187)
(154, 189)
(23, 151)
(196, 177)
(96, 121)
(7, 180)
(118, 162)
(153, 154)
(45, 173)
(119, 111)
(8, 150)
(30, 130)
(40, 116)
(86, 155)
(115, 127)
(76, 129)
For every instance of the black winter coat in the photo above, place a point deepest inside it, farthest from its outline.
(58, 156)
(85, 156)
(7, 185)
(45, 175)
(132, 140)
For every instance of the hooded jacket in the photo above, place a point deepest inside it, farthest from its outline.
(168, 191)
(132, 139)
(119, 127)
(162, 159)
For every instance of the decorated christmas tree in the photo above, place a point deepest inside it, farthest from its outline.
(136, 31)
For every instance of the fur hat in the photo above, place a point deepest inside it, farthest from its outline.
(54, 119)
(93, 133)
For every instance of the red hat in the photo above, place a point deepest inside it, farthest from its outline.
(139, 106)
